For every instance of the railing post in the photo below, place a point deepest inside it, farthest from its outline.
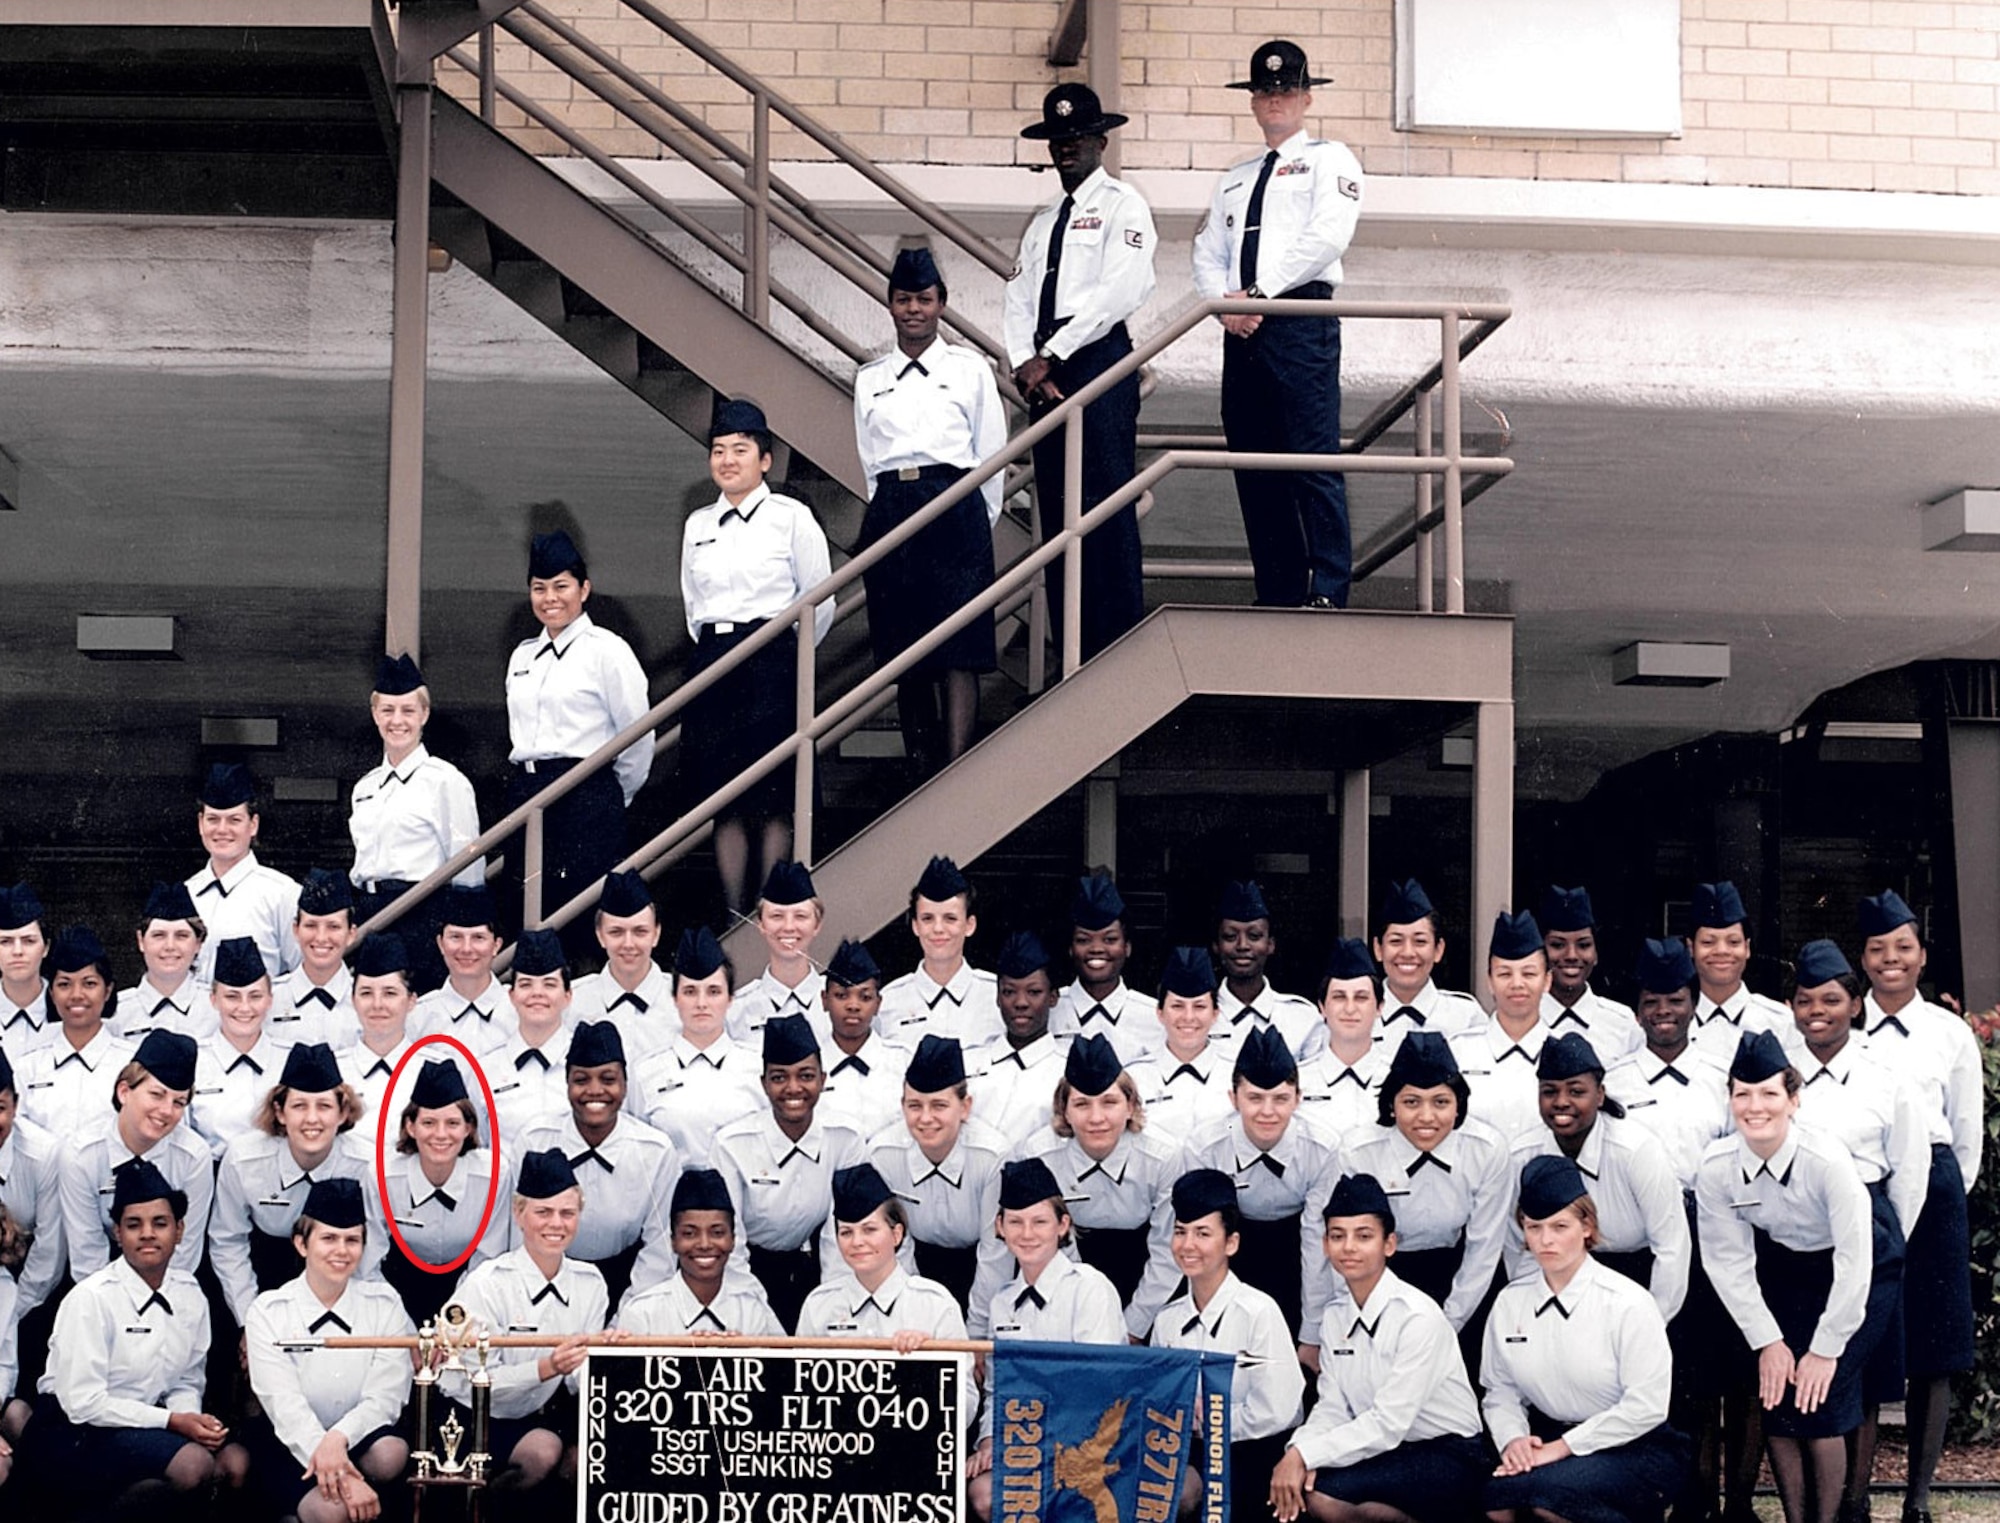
(1454, 474)
(1038, 636)
(757, 215)
(1426, 494)
(531, 871)
(807, 754)
(486, 88)
(1072, 609)
(409, 353)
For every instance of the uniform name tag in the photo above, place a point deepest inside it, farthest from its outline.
(1743, 1205)
(274, 1200)
(1343, 1353)
(1009, 1327)
(1639, 1105)
(141, 1328)
(843, 1327)
(523, 1327)
(766, 1179)
(1515, 1338)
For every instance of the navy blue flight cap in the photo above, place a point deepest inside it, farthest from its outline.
(1567, 909)
(941, 881)
(20, 906)
(1022, 955)
(438, 1085)
(1242, 901)
(1092, 1066)
(396, 675)
(169, 1057)
(169, 901)
(734, 416)
(1759, 1055)
(789, 1039)
(1821, 962)
(788, 883)
(551, 554)
(1664, 965)
(1280, 65)
(858, 1191)
(325, 893)
(701, 1190)
(137, 1183)
(467, 907)
(539, 952)
(1203, 1192)
(1350, 958)
(915, 270)
(227, 785)
(1718, 905)
(937, 1065)
(1188, 973)
(310, 1068)
(238, 963)
(1566, 1056)
(1072, 111)
(1406, 904)
(335, 1203)
(380, 954)
(1883, 913)
(545, 1174)
(624, 894)
(1264, 1060)
(1096, 904)
(697, 954)
(852, 964)
(1424, 1061)
(1026, 1182)
(593, 1044)
(76, 948)
(1360, 1195)
(1514, 936)
(1548, 1183)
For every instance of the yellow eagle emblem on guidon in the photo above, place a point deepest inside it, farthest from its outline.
(1083, 1468)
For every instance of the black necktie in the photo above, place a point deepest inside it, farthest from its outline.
(245, 1060)
(796, 1152)
(550, 649)
(1045, 314)
(1735, 1019)
(1354, 1074)
(848, 1062)
(164, 1004)
(1427, 1158)
(578, 1160)
(1407, 1013)
(1253, 222)
(1890, 1020)
(707, 1314)
(936, 1172)
(1669, 1072)
(438, 1195)
(471, 1009)
(535, 1055)
(1247, 1013)
(548, 1290)
(1016, 1059)
(19, 1016)
(1191, 1324)
(381, 1066)
(1027, 1295)
(1096, 1012)
(213, 886)
(1188, 1068)
(942, 994)
(1276, 1168)
(77, 1057)
(1571, 1015)
(324, 998)
(325, 1317)
(1557, 1304)
(916, 365)
(627, 999)
(156, 1299)
(1362, 1327)
(1824, 1073)
(1516, 1051)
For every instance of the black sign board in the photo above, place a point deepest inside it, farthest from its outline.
(771, 1436)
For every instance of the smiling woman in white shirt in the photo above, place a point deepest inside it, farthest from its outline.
(409, 816)
(744, 558)
(924, 414)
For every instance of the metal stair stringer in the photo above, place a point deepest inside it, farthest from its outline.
(1177, 653)
(641, 303)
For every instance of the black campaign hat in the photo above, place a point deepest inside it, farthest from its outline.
(169, 901)
(238, 963)
(942, 880)
(852, 964)
(1096, 904)
(1664, 965)
(438, 1085)
(464, 906)
(1279, 65)
(311, 1069)
(1022, 955)
(1360, 1195)
(858, 1191)
(335, 1203)
(551, 554)
(915, 270)
(593, 1044)
(136, 1182)
(701, 1190)
(545, 1174)
(169, 1057)
(1717, 905)
(1567, 909)
(227, 785)
(1514, 936)
(1265, 1061)
(539, 952)
(937, 1065)
(1202, 1192)
(1092, 1065)
(1759, 1055)
(1548, 1183)
(787, 883)
(1073, 111)
(789, 1039)
(624, 894)
(1188, 973)
(733, 415)
(1026, 1182)
(1882, 913)
(325, 893)
(397, 675)
(380, 954)
(697, 954)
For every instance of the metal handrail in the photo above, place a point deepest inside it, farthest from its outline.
(1447, 464)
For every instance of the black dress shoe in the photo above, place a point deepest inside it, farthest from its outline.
(1321, 600)
(1916, 1515)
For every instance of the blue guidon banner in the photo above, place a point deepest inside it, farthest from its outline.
(1088, 1433)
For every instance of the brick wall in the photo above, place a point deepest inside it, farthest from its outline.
(1855, 94)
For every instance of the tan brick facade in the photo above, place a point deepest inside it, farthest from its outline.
(1897, 95)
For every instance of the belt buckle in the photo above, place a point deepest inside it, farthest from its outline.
(529, 766)
(722, 628)
(909, 473)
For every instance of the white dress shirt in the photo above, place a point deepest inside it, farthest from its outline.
(123, 1355)
(58, 1084)
(670, 1310)
(1295, 1018)
(22, 1027)
(31, 1190)
(941, 408)
(865, 1090)
(369, 1072)
(839, 1307)
(1684, 1104)
(1500, 1072)
(1015, 1094)
(510, 1295)
(485, 1023)
(1132, 1187)
(1312, 201)
(1183, 1098)
(1638, 1199)
(1611, 1028)
(87, 1185)
(249, 900)
(570, 693)
(530, 1083)
(230, 1086)
(1070, 1302)
(1806, 1197)
(1445, 1011)
(1308, 1165)
(752, 560)
(1594, 1356)
(783, 1189)
(1937, 1052)
(1340, 1095)
(764, 998)
(1874, 1112)
(1127, 1019)
(10, 1337)
(628, 1184)
(408, 821)
(308, 1393)
(437, 1221)
(1240, 1319)
(691, 1093)
(1390, 1373)
(646, 1017)
(146, 1008)
(1719, 1029)
(951, 1203)
(916, 1005)
(303, 1011)
(1106, 271)
(261, 1187)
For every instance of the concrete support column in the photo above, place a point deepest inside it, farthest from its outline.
(1354, 798)
(1492, 829)
(1975, 828)
(1106, 50)
(1100, 817)
(409, 346)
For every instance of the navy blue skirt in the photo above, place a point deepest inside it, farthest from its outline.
(1881, 1334)
(1795, 1286)
(930, 577)
(1711, 1358)
(81, 1464)
(1937, 1277)
(1633, 1483)
(1435, 1480)
(274, 1471)
(735, 722)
